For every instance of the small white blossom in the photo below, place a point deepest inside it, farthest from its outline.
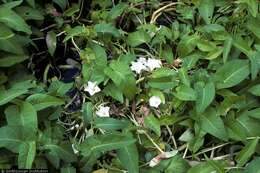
(151, 64)
(77, 126)
(72, 128)
(138, 67)
(142, 60)
(74, 149)
(92, 88)
(103, 111)
(155, 101)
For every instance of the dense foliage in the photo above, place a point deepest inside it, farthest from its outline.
(130, 85)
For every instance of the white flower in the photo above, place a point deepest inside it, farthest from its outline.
(74, 149)
(142, 60)
(137, 67)
(151, 64)
(142, 64)
(155, 101)
(103, 111)
(91, 88)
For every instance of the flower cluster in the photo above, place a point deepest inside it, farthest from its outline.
(143, 64)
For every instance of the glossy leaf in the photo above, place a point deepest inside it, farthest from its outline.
(14, 21)
(185, 93)
(107, 28)
(213, 124)
(231, 73)
(42, 101)
(129, 157)
(51, 42)
(245, 154)
(103, 143)
(110, 123)
(255, 90)
(253, 166)
(206, 10)
(5, 32)
(27, 154)
(152, 123)
(205, 95)
(139, 37)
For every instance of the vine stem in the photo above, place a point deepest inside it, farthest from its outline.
(151, 139)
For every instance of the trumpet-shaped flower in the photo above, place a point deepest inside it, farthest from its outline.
(138, 67)
(152, 64)
(103, 111)
(155, 101)
(92, 88)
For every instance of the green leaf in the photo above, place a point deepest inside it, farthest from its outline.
(252, 7)
(167, 54)
(74, 8)
(59, 88)
(177, 165)
(103, 143)
(11, 138)
(212, 123)
(28, 13)
(11, 45)
(107, 28)
(113, 91)
(27, 152)
(110, 123)
(204, 167)
(31, 3)
(68, 169)
(205, 95)
(72, 32)
(235, 130)
(163, 72)
(122, 77)
(227, 48)
(184, 77)
(129, 157)
(136, 38)
(100, 55)
(11, 60)
(231, 73)
(254, 63)
(253, 25)
(255, 113)
(253, 166)
(117, 10)
(185, 93)
(11, 4)
(251, 126)
(61, 3)
(63, 152)
(187, 44)
(25, 115)
(5, 32)
(245, 154)
(42, 101)
(8, 95)
(51, 42)
(87, 112)
(206, 10)
(241, 44)
(255, 90)
(153, 123)
(14, 21)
